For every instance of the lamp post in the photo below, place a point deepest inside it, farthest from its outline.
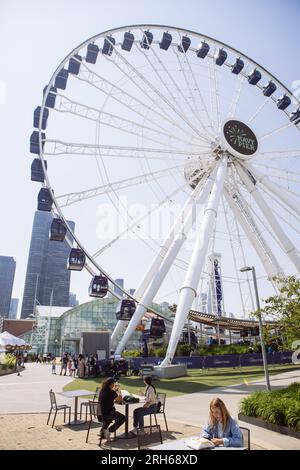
(263, 349)
(56, 341)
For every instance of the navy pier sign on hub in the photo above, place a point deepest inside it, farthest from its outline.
(240, 138)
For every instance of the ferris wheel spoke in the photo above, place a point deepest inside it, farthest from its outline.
(236, 95)
(112, 120)
(136, 222)
(164, 82)
(282, 239)
(59, 147)
(175, 84)
(214, 91)
(121, 60)
(127, 100)
(181, 59)
(203, 103)
(72, 198)
(276, 131)
(276, 155)
(283, 174)
(259, 109)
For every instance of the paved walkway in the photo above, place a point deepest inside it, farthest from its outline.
(29, 393)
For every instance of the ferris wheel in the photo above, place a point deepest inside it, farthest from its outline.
(180, 145)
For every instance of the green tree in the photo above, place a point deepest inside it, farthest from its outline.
(285, 308)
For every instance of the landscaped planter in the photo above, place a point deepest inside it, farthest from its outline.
(266, 425)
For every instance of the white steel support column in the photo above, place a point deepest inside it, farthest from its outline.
(284, 240)
(281, 195)
(161, 272)
(188, 290)
(157, 260)
(259, 244)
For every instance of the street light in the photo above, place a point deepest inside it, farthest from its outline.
(56, 341)
(263, 349)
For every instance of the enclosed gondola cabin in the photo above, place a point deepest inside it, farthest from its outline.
(125, 309)
(98, 287)
(76, 259)
(45, 200)
(58, 230)
(37, 172)
(157, 328)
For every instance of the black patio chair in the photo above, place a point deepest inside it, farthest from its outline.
(95, 417)
(148, 436)
(246, 437)
(55, 407)
(85, 404)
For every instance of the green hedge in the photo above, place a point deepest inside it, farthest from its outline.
(278, 407)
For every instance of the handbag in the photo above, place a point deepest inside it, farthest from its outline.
(130, 399)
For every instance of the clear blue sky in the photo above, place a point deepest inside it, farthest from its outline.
(36, 35)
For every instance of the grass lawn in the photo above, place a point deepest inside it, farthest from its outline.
(196, 380)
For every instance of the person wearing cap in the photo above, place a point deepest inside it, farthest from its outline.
(108, 395)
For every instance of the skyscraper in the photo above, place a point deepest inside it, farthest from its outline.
(120, 283)
(13, 309)
(47, 277)
(7, 275)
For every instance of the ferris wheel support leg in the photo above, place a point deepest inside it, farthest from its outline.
(263, 251)
(284, 240)
(188, 290)
(273, 188)
(165, 265)
(153, 268)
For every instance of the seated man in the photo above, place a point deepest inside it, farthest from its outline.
(108, 395)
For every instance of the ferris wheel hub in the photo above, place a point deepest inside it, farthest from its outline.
(238, 139)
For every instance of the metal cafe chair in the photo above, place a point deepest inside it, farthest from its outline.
(161, 403)
(85, 404)
(246, 437)
(149, 435)
(95, 417)
(55, 407)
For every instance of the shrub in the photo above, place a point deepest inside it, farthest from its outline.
(7, 360)
(280, 407)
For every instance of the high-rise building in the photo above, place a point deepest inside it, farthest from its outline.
(131, 291)
(47, 278)
(120, 283)
(13, 309)
(73, 302)
(7, 275)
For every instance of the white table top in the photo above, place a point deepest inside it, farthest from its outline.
(180, 444)
(76, 393)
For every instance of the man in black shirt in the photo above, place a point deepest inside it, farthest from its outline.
(108, 395)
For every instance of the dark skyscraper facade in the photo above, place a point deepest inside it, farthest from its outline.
(7, 275)
(47, 276)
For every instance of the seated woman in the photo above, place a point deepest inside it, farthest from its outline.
(148, 408)
(108, 395)
(222, 429)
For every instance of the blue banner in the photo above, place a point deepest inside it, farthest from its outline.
(225, 360)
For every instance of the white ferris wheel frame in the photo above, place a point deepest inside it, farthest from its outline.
(206, 191)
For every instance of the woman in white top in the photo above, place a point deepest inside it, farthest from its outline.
(149, 407)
